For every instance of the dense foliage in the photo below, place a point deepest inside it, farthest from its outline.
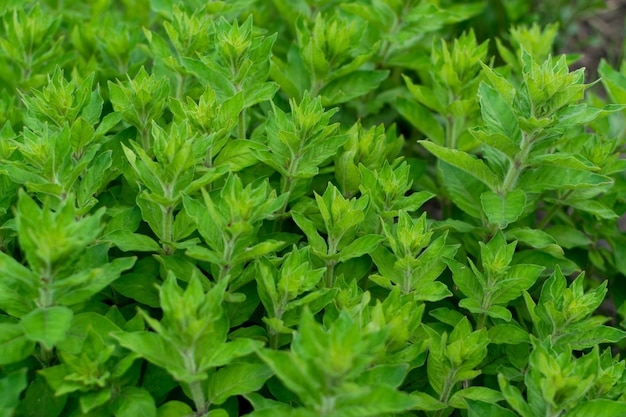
(308, 208)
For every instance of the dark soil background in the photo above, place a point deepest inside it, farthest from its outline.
(598, 36)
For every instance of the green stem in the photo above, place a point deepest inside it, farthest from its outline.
(516, 167)
(167, 234)
(445, 393)
(550, 214)
(242, 124)
(198, 397)
(330, 274)
(47, 355)
(180, 88)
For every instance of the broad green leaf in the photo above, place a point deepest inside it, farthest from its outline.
(503, 209)
(236, 379)
(83, 285)
(421, 118)
(514, 397)
(600, 407)
(569, 237)
(40, 400)
(465, 162)
(134, 402)
(11, 386)
(152, 347)
(390, 375)
(132, 242)
(318, 244)
(374, 401)
(350, 86)
(47, 326)
(14, 344)
(292, 372)
(592, 337)
(79, 329)
(497, 113)
(482, 409)
(552, 178)
(458, 400)
(426, 402)
(594, 207)
(507, 334)
(139, 287)
(226, 352)
(614, 82)
(359, 247)
(535, 238)
(174, 409)
(464, 189)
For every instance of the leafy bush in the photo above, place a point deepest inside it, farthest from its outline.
(307, 208)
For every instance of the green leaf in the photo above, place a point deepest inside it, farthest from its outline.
(375, 401)
(421, 118)
(359, 247)
(318, 244)
(482, 409)
(14, 344)
(614, 82)
(600, 407)
(236, 379)
(11, 386)
(426, 402)
(350, 86)
(464, 189)
(594, 207)
(132, 242)
(152, 347)
(465, 162)
(488, 395)
(139, 287)
(553, 178)
(291, 371)
(514, 397)
(174, 409)
(507, 334)
(497, 115)
(47, 326)
(40, 400)
(134, 402)
(503, 209)
(592, 337)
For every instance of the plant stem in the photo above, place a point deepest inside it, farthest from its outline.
(242, 124)
(445, 393)
(546, 219)
(516, 167)
(47, 355)
(168, 220)
(198, 397)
